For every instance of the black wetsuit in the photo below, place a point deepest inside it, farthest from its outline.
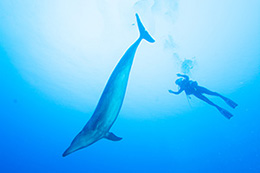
(192, 88)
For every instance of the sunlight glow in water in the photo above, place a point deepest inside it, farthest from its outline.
(69, 48)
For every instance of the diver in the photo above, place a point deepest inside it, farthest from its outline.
(192, 88)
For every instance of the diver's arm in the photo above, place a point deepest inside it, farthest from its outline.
(174, 92)
(183, 75)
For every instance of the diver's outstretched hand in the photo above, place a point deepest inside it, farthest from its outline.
(170, 91)
(179, 75)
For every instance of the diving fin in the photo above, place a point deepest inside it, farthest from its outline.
(224, 112)
(112, 137)
(231, 103)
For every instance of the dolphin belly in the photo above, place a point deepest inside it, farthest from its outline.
(112, 97)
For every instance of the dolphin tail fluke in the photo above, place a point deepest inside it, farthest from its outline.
(143, 33)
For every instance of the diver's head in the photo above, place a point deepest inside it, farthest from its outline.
(179, 81)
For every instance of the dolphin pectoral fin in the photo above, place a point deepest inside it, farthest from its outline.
(112, 137)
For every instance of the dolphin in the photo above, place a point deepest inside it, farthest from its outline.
(111, 100)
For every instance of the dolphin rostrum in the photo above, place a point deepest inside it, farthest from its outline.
(111, 99)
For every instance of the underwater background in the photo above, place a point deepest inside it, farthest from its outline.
(56, 57)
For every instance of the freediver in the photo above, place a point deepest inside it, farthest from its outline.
(192, 88)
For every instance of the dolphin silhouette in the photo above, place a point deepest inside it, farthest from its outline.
(111, 100)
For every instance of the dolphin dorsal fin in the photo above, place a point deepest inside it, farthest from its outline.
(112, 137)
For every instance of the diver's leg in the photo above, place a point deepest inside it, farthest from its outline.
(204, 90)
(227, 100)
(205, 99)
(221, 110)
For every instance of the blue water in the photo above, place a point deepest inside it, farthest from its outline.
(51, 82)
